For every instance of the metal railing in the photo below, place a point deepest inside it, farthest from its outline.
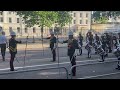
(39, 69)
(90, 64)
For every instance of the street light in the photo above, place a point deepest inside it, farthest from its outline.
(91, 20)
(21, 25)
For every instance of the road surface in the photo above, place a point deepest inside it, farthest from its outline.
(36, 60)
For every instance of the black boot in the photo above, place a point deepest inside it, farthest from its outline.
(106, 55)
(95, 52)
(11, 69)
(118, 67)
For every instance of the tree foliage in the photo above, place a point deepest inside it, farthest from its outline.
(64, 17)
(45, 18)
(103, 16)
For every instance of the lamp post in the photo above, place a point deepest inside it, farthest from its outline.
(69, 26)
(91, 20)
(21, 25)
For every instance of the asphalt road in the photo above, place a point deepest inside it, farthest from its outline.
(36, 60)
(82, 71)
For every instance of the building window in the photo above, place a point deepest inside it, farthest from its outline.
(86, 21)
(1, 13)
(10, 29)
(18, 29)
(18, 20)
(86, 15)
(80, 14)
(74, 14)
(26, 30)
(80, 21)
(1, 19)
(34, 30)
(74, 21)
(10, 20)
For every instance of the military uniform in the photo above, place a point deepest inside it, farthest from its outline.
(104, 44)
(117, 54)
(89, 40)
(72, 45)
(115, 41)
(97, 41)
(52, 46)
(80, 41)
(103, 39)
(13, 51)
(118, 37)
(108, 41)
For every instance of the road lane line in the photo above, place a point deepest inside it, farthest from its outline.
(49, 64)
(67, 57)
(51, 73)
(102, 75)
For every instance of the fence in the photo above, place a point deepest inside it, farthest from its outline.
(62, 33)
(36, 50)
(89, 64)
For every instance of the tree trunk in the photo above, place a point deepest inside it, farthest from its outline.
(42, 37)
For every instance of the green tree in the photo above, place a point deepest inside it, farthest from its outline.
(64, 18)
(45, 18)
(105, 15)
(100, 17)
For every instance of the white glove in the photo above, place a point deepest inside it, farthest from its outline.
(61, 42)
(114, 50)
(55, 46)
(79, 46)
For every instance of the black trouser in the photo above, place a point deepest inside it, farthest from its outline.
(54, 54)
(3, 50)
(104, 47)
(80, 49)
(95, 49)
(11, 61)
(73, 62)
(109, 47)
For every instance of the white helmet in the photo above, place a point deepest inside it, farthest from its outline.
(70, 33)
(89, 30)
(12, 33)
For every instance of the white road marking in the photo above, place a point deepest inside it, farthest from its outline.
(88, 77)
(51, 73)
(93, 71)
(67, 57)
(49, 64)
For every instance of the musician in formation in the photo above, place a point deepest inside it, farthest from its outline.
(89, 43)
(13, 49)
(80, 43)
(102, 45)
(53, 45)
(72, 46)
